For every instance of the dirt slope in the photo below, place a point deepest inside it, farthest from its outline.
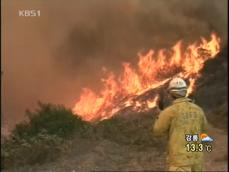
(104, 155)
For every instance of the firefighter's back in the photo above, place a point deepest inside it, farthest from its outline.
(188, 119)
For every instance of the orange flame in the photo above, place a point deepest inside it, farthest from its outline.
(153, 70)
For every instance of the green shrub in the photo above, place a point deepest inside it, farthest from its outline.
(36, 150)
(43, 137)
(55, 119)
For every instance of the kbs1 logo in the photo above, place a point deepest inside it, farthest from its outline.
(29, 13)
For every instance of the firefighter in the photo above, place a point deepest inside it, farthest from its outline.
(183, 118)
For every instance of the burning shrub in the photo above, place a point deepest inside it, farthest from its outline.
(153, 70)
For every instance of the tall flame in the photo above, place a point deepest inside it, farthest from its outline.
(153, 70)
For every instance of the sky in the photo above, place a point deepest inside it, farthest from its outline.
(50, 58)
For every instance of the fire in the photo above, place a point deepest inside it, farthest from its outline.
(153, 70)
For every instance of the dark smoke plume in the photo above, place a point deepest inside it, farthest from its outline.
(51, 57)
(110, 32)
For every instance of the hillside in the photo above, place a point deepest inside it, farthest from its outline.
(125, 142)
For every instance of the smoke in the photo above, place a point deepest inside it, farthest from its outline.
(110, 32)
(51, 57)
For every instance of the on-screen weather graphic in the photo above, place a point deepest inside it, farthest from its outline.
(205, 138)
(198, 142)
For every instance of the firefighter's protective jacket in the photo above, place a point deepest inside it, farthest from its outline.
(181, 118)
